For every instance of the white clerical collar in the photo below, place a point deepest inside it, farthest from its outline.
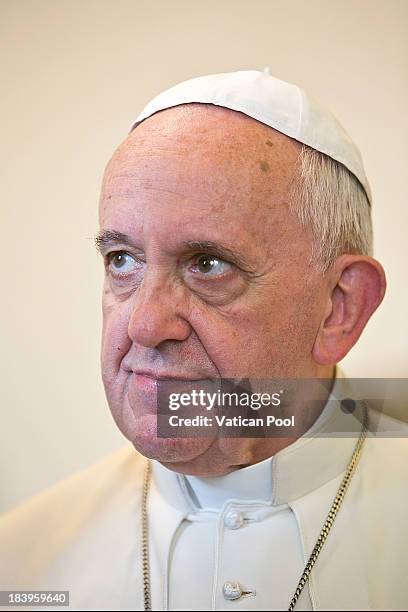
(250, 483)
(311, 461)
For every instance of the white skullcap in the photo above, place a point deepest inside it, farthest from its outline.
(283, 106)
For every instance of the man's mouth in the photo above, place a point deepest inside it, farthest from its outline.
(152, 381)
(163, 376)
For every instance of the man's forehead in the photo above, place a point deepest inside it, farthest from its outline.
(193, 129)
(195, 143)
(199, 172)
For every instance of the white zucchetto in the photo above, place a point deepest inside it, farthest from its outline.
(281, 105)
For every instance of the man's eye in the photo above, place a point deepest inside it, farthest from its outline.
(211, 266)
(121, 262)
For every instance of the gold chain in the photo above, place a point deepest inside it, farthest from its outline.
(328, 523)
(145, 539)
(332, 512)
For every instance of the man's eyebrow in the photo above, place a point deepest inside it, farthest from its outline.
(108, 238)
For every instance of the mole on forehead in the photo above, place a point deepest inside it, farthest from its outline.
(264, 148)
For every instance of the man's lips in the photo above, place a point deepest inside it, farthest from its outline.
(150, 383)
(170, 376)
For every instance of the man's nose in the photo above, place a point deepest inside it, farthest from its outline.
(157, 312)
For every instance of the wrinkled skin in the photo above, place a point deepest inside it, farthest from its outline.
(193, 174)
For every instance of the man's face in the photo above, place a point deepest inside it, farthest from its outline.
(207, 271)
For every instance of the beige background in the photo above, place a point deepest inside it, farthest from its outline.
(74, 76)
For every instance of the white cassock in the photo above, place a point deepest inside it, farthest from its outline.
(256, 526)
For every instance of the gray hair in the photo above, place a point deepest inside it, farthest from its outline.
(329, 200)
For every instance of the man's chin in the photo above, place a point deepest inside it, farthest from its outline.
(172, 450)
(142, 432)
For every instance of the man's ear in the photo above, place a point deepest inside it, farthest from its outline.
(356, 287)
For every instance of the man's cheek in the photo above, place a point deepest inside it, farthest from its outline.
(115, 338)
(230, 351)
(232, 341)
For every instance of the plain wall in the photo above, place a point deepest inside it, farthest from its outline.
(74, 75)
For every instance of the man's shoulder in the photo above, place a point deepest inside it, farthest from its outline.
(382, 425)
(67, 518)
(107, 479)
(386, 455)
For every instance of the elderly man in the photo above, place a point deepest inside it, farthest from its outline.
(236, 236)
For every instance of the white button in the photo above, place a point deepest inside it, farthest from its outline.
(233, 519)
(232, 590)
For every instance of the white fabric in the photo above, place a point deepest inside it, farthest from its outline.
(279, 104)
(243, 525)
(252, 482)
(83, 534)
